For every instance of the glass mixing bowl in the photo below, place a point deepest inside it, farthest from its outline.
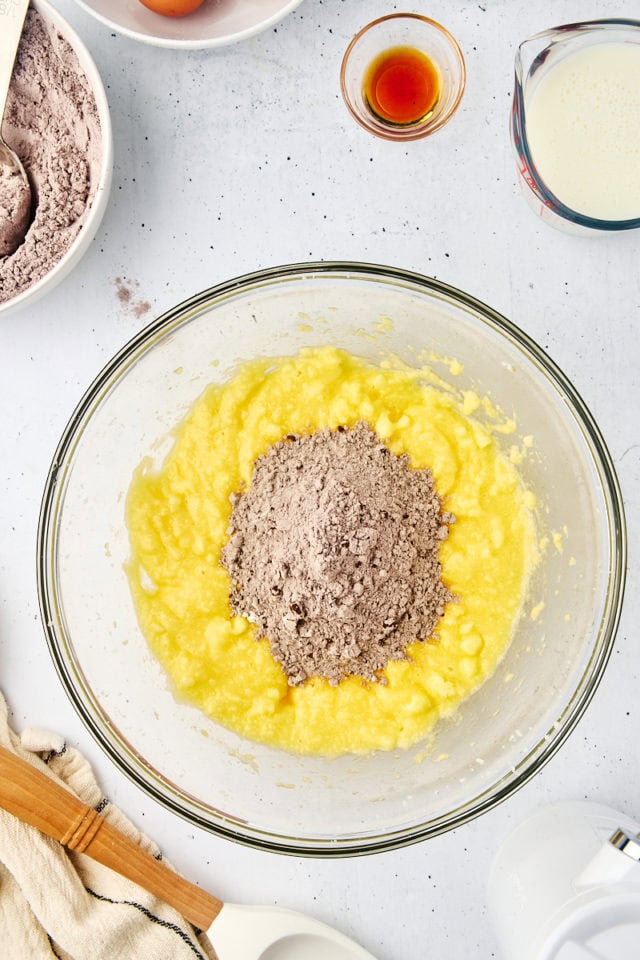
(255, 794)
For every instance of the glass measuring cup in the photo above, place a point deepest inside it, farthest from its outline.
(535, 58)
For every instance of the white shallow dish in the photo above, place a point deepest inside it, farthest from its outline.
(215, 24)
(101, 195)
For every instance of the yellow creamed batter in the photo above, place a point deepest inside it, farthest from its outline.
(177, 519)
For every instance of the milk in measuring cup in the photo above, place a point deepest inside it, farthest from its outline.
(583, 130)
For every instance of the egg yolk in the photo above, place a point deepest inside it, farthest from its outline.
(172, 8)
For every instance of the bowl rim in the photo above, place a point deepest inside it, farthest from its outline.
(528, 765)
(103, 187)
(201, 44)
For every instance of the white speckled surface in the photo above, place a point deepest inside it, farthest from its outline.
(244, 157)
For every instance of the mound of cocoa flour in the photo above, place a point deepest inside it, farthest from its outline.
(52, 123)
(333, 554)
(15, 204)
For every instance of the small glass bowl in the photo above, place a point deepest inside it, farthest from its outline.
(403, 30)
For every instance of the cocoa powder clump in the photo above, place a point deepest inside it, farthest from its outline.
(333, 554)
(15, 205)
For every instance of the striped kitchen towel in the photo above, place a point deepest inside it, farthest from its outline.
(55, 903)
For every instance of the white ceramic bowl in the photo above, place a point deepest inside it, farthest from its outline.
(101, 194)
(214, 24)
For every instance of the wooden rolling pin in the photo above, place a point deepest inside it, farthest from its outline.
(36, 799)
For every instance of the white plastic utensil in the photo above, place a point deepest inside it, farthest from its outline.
(12, 16)
(565, 885)
(237, 932)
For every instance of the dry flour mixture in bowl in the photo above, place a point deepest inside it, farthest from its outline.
(331, 558)
(57, 121)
